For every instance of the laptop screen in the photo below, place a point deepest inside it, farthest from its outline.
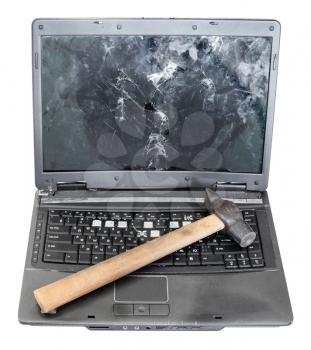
(184, 103)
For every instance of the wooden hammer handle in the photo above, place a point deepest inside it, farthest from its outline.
(87, 280)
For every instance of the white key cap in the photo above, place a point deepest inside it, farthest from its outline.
(154, 233)
(184, 223)
(97, 223)
(109, 223)
(142, 234)
(174, 224)
(148, 224)
(122, 224)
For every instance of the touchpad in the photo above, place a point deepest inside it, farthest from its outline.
(141, 289)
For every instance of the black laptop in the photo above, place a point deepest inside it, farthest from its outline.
(133, 119)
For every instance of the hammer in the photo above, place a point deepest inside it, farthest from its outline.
(225, 215)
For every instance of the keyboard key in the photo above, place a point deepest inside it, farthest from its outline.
(166, 261)
(174, 224)
(89, 231)
(96, 223)
(193, 251)
(84, 222)
(118, 241)
(227, 249)
(109, 223)
(188, 217)
(210, 259)
(148, 224)
(54, 213)
(155, 233)
(181, 251)
(142, 240)
(92, 240)
(105, 240)
(164, 216)
(126, 216)
(90, 215)
(102, 216)
(244, 263)
(180, 260)
(231, 264)
(129, 233)
(177, 216)
(242, 256)
(59, 238)
(255, 255)
(53, 257)
(160, 223)
(78, 239)
(71, 258)
(206, 249)
(76, 230)
(212, 241)
(131, 241)
(96, 258)
(56, 220)
(78, 214)
(103, 232)
(137, 224)
(111, 249)
(84, 258)
(122, 224)
(98, 249)
(122, 249)
(70, 221)
(57, 229)
(257, 262)
(115, 216)
(255, 247)
(250, 219)
(230, 257)
(115, 232)
(193, 259)
(185, 223)
(61, 247)
(85, 248)
(139, 216)
(248, 213)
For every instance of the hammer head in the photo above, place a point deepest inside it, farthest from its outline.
(230, 215)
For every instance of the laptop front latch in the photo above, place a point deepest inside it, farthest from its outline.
(230, 186)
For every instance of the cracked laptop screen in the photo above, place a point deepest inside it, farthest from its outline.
(195, 103)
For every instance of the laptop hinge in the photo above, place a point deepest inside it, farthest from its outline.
(61, 186)
(230, 186)
(71, 186)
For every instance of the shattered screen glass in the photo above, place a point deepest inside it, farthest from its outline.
(195, 103)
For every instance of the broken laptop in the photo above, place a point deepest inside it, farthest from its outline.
(133, 119)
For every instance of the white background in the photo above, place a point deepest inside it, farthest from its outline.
(289, 186)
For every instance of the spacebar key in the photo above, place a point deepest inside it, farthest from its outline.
(54, 257)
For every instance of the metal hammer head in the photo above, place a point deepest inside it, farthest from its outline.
(231, 216)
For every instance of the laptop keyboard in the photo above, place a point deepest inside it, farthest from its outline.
(89, 237)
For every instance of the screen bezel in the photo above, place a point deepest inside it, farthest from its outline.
(152, 179)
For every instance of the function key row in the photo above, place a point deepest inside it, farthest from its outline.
(101, 215)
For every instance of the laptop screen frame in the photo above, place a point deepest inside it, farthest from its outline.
(130, 179)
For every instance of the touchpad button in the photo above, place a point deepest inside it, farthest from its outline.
(141, 289)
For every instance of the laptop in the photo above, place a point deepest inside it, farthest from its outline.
(133, 119)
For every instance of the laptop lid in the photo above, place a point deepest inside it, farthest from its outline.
(154, 103)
